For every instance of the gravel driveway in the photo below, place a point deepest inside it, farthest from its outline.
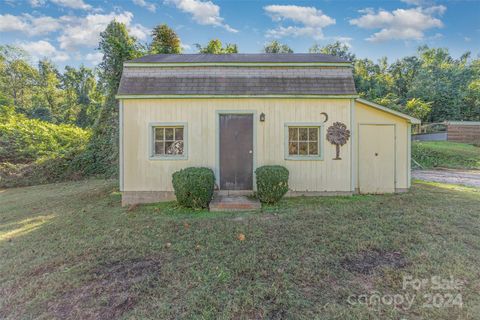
(464, 177)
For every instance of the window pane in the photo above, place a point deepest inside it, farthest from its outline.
(302, 134)
(293, 148)
(178, 133)
(313, 134)
(169, 147)
(159, 148)
(158, 133)
(313, 148)
(168, 133)
(292, 134)
(303, 148)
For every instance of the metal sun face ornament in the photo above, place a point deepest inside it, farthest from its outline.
(338, 134)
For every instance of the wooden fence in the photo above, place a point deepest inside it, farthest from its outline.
(463, 131)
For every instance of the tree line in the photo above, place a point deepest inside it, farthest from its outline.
(431, 85)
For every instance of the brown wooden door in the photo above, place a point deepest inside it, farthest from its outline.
(236, 151)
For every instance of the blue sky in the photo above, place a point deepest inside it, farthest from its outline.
(67, 30)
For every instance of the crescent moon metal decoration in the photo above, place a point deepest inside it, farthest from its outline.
(326, 116)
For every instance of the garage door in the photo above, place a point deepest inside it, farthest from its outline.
(376, 167)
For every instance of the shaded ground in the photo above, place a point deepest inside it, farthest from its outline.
(71, 251)
(463, 177)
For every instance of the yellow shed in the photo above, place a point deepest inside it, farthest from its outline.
(234, 113)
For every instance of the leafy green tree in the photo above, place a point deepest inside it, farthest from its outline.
(82, 91)
(165, 40)
(472, 94)
(403, 72)
(418, 108)
(337, 49)
(48, 99)
(117, 46)
(443, 81)
(215, 46)
(277, 47)
(17, 77)
(370, 79)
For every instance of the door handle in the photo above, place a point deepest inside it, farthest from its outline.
(250, 151)
(376, 154)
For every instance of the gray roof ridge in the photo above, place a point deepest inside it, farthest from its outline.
(240, 58)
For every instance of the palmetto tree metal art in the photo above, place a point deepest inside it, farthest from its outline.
(338, 134)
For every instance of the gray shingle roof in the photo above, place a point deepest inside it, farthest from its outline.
(240, 58)
(236, 86)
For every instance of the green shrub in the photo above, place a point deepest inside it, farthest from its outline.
(194, 187)
(272, 183)
(24, 140)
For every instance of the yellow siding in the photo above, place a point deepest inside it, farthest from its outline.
(364, 114)
(143, 174)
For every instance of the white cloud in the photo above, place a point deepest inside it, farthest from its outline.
(73, 4)
(345, 40)
(37, 3)
(203, 12)
(94, 58)
(138, 31)
(147, 5)
(310, 21)
(85, 31)
(401, 24)
(186, 47)
(41, 49)
(74, 31)
(28, 24)
(418, 2)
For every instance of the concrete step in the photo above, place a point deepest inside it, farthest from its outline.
(233, 203)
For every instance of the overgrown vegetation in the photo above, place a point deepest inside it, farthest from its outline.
(431, 154)
(272, 183)
(70, 250)
(34, 151)
(194, 187)
(24, 140)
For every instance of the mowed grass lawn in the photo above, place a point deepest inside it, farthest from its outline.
(70, 251)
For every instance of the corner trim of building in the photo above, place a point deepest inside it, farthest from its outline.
(353, 146)
(409, 155)
(121, 147)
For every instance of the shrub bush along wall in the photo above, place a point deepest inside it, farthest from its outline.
(194, 187)
(272, 183)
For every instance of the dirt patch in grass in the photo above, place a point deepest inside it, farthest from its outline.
(368, 261)
(110, 293)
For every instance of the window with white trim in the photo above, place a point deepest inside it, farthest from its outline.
(169, 141)
(304, 141)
